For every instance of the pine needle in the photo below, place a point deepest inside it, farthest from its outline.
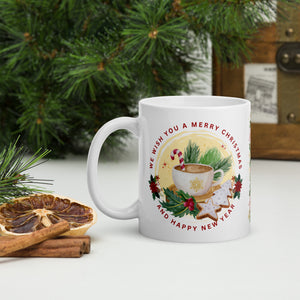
(191, 153)
(13, 182)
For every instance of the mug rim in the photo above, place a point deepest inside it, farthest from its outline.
(194, 102)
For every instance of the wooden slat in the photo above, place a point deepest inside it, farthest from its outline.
(275, 141)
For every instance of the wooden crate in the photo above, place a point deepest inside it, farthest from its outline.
(277, 44)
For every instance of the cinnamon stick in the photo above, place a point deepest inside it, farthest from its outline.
(60, 242)
(24, 241)
(85, 238)
(64, 252)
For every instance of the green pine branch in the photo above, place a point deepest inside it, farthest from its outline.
(82, 71)
(69, 66)
(150, 34)
(13, 181)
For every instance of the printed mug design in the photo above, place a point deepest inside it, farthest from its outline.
(194, 174)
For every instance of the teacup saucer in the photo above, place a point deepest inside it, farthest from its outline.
(201, 198)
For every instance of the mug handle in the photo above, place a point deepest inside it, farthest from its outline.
(130, 124)
(222, 176)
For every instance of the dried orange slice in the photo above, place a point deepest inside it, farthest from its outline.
(34, 212)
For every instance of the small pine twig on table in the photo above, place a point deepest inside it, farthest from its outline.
(13, 181)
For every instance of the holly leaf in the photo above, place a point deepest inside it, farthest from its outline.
(185, 196)
(238, 178)
(175, 203)
(237, 195)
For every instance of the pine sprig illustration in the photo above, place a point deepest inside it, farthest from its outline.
(213, 157)
(13, 181)
(223, 164)
(191, 153)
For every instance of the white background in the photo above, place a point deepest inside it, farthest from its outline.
(125, 265)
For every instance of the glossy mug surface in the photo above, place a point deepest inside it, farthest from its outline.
(194, 156)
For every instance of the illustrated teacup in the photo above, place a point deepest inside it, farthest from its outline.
(195, 179)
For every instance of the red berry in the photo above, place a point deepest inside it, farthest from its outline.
(189, 203)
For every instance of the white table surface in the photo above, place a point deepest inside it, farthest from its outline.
(125, 265)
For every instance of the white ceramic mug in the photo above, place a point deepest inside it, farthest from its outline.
(177, 130)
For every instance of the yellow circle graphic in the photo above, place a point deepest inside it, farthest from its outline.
(215, 149)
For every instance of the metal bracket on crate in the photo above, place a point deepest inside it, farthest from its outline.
(288, 57)
(288, 62)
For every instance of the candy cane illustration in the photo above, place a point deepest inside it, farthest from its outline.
(179, 153)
